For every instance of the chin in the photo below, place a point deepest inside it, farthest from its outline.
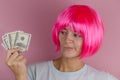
(69, 54)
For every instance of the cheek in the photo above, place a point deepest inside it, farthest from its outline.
(79, 44)
(61, 39)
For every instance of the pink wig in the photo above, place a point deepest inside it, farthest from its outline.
(85, 21)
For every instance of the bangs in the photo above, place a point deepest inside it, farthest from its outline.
(73, 21)
(72, 26)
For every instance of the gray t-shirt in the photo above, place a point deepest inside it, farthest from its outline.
(47, 71)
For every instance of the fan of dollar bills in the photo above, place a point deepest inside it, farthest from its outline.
(16, 39)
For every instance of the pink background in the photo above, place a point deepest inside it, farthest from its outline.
(37, 17)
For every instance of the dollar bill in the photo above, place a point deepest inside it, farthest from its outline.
(12, 37)
(4, 46)
(6, 42)
(22, 41)
(16, 39)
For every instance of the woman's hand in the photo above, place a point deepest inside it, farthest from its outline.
(17, 63)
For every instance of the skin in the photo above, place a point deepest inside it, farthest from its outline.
(17, 63)
(70, 44)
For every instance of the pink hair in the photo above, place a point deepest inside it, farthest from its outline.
(85, 21)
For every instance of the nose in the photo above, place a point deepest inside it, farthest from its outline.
(69, 37)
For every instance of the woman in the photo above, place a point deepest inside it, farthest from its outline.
(77, 33)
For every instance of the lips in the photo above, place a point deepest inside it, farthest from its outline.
(70, 48)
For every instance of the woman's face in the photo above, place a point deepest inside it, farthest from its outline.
(70, 43)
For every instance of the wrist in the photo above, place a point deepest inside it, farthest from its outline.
(22, 77)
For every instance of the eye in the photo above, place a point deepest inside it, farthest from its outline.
(76, 35)
(63, 32)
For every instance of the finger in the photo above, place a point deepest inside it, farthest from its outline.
(11, 51)
(19, 61)
(23, 60)
(12, 58)
(20, 57)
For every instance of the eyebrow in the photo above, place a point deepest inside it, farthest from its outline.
(70, 30)
(64, 29)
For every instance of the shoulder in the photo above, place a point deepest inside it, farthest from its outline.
(38, 70)
(95, 73)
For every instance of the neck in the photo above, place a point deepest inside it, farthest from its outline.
(68, 65)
